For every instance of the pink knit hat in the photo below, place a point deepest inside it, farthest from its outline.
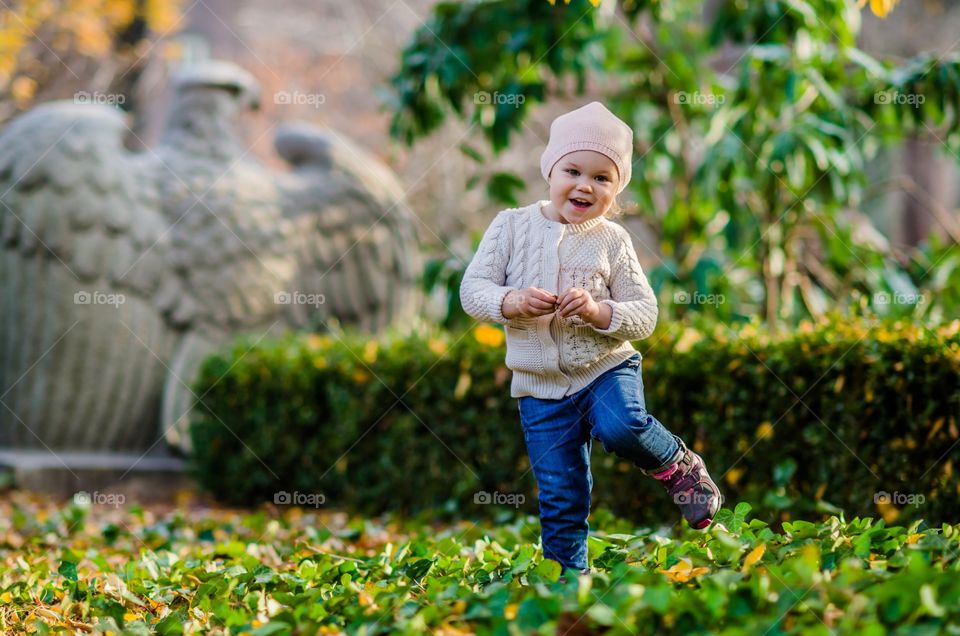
(590, 127)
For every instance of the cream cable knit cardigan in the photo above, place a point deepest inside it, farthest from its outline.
(553, 357)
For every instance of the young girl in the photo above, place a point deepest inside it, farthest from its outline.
(566, 284)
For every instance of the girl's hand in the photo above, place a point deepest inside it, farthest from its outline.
(528, 302)
(578, 302)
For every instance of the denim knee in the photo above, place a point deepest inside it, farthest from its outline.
(619, 435)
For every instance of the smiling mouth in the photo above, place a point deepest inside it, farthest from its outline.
(580, 203)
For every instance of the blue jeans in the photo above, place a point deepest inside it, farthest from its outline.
(559, 436)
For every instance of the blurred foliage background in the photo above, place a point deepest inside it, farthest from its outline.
(759, 131)
(756, 125)
(88, 44)
(830, 417)
(763, 131)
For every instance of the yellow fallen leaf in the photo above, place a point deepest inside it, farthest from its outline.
(365, 598)
(935, 428)
(765, 430)
(683, 571)
(888, 511)
(822, 488)
(880, 8)
(439, 347)
(48, 614)
(689, 338)
(487, 335)
(838, 385)
(315, 341)
(733, 475)
(755, 555)
(913, 538)
(463, 385)
(449, 630)
(510, 611)
(23, 89)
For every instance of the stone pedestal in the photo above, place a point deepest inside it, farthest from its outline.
(100, 478)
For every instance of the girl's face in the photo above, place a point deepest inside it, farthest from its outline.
(583, 185)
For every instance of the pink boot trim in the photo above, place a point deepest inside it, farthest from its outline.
(666, 473)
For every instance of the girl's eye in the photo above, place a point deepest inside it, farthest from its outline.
(603, 177)
(571, 170)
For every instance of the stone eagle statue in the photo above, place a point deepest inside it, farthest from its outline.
(121, 270)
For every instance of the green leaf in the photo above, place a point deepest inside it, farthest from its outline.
(172, 624)
(502, 188)
(740, 514)
(471, 152)
(68, 570)
(270, 628)
(549, 569)
(263, 574)
(783, 471)
(419, 568)
(658, 598)
(532, 614)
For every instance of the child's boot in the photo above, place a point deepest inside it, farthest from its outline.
(689, 485)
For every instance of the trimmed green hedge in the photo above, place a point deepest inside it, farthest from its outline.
(827, 417)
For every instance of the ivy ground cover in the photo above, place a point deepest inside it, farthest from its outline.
(125, 569)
